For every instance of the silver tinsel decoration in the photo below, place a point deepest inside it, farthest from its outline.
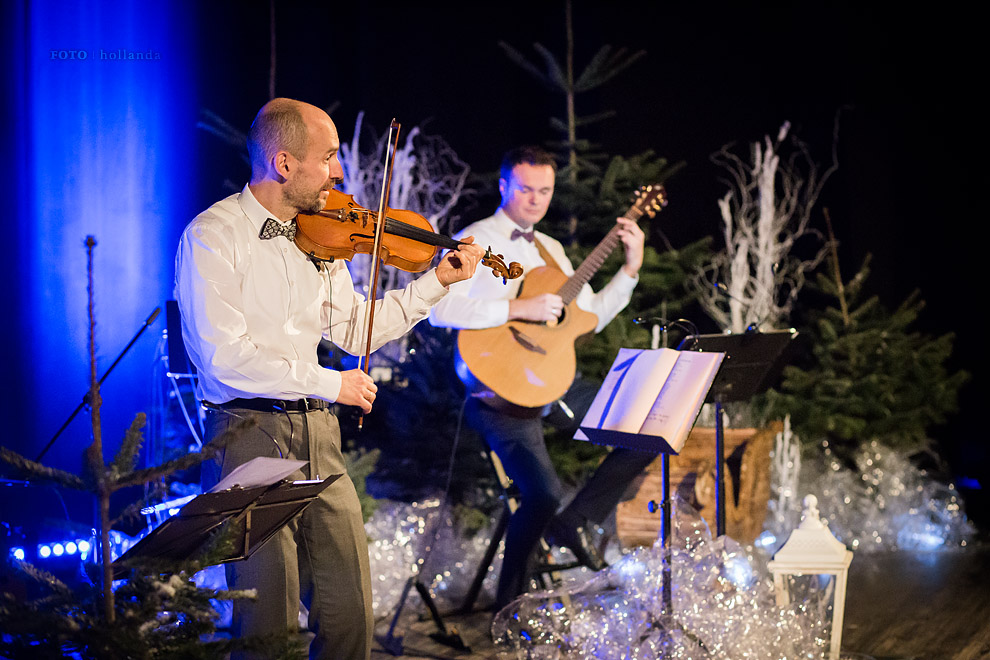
(722, 606)
(885, 503)
(722, 595)
(422, 539)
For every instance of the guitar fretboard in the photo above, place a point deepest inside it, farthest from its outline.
(572, 287)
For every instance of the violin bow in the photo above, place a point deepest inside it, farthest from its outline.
(390, 148)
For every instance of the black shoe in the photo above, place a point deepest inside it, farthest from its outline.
(580, 542)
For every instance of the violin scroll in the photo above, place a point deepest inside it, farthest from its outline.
(497, 263)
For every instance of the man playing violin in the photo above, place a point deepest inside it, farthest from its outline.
(526, 185)
(254, 308)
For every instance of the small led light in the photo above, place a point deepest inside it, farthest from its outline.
(83, 546)
(58, 550)
(44, 551)
(17, 553)
(70, 548)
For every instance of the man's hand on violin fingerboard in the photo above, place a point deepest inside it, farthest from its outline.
(461, 263)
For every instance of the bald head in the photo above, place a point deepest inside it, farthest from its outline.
(280, 125)
(293, 147)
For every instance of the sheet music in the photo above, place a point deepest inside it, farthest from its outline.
(650, 394)
(683, 392)
(638, 389)
(596, 412)
(261, 471)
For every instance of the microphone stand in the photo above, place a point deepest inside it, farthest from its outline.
(85, 402)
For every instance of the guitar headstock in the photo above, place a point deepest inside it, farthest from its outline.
(648, 200)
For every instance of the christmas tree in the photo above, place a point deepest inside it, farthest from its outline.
(870, 375)
(155, 610)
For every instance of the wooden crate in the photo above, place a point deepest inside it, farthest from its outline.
(692, 476)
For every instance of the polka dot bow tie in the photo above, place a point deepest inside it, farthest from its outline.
(273, 228)
(528, 235)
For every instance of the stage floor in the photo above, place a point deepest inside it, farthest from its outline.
(900, 606)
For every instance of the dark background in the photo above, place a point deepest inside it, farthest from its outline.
(910, 130)
(911, 146)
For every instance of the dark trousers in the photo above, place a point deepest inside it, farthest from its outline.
(520, 445)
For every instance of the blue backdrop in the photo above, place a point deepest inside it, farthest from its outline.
(102, 103)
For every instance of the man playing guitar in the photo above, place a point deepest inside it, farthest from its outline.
(515, 434)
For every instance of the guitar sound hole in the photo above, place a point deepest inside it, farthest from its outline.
(560, 319)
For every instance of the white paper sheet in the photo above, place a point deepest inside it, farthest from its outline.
(261, 471)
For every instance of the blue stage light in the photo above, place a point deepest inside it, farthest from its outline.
(17, 553)
(84, 546)
(71, 547)
(58, 550)
(44, 551)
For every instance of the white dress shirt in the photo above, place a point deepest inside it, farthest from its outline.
(483, 301)
(253, 310)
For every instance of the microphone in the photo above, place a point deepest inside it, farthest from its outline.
(663, 325)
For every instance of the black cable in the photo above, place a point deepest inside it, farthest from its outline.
(665, 325)
(292, 428)
(216, 408)
(683, 325)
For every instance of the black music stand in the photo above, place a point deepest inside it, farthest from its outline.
(654, 444)
(753, 362)
(262, 510)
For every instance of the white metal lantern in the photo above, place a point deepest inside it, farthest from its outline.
(811, 550)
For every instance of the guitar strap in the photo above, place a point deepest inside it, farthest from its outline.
(545, 254)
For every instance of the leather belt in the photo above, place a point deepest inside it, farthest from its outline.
(276, 405)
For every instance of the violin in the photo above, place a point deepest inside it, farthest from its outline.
(343, 228)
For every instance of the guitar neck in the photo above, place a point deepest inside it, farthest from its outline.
(583, 274)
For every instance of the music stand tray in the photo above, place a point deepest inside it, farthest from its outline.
(753, 362)
(262, 510)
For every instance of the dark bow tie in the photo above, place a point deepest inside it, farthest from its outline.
(273, 228)
(518, 233)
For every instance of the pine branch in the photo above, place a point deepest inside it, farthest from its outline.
(555, 75)
(140, 477)
(604, 66)
(46, 579)
(185, 461)
(42, 472)
(591, 119)
(127, 455)
(525, 64)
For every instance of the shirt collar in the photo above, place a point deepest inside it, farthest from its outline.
(253, 209)
(505, 224)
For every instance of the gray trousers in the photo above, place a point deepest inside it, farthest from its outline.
(321, 557)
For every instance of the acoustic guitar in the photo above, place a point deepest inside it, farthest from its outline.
(521, 366)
